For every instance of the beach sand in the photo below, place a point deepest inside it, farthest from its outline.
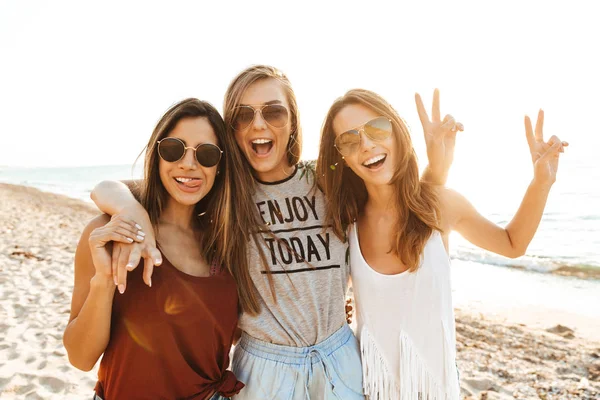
(498, 356)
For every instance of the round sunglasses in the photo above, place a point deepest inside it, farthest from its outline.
(377, 129)
(173, 149)
(276, 115)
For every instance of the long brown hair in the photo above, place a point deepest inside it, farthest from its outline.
(223, 214)
(346, 194)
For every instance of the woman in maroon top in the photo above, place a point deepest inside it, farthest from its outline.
(169, 337)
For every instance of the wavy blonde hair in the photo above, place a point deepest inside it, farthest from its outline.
(346, 194)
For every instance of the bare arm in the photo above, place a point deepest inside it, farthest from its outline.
(88, 331)
(112, 197)
(513, 240)
(117, 198)
(435, 177)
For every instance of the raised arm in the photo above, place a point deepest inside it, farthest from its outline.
(88, 331)
(440, 139)
(513, 240)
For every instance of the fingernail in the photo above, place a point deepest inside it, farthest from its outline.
(141, 233)
(130, 240)
(129, 267)
(139, 227)
(115, 280)
(140, 237)
(150, 282)
(158, 261)
(121, 288)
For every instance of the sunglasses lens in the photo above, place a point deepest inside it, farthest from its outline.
(378, 128)
(244, 117)
(170, 149)
(347, 142)
(208, 155)
(275, 115)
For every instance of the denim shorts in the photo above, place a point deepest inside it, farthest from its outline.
(326, 371)
(216, 396)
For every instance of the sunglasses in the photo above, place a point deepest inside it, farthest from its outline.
(276, 115)
(172, 150)
(377, 129)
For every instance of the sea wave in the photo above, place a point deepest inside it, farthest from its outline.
(568, 266)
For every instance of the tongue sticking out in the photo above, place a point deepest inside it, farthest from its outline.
(194, 183)
(262, 148)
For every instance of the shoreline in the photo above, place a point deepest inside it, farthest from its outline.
(528, 297)
(500, 354)
(583, 272)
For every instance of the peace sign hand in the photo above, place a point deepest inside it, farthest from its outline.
(544, 155)
(440, 137)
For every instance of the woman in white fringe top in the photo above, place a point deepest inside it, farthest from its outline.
(398, 229)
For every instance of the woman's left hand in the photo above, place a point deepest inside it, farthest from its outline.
(544, 155)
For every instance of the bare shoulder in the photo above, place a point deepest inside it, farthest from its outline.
(452, 204)
(449, 197)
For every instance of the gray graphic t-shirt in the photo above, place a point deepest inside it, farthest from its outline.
(306, 261)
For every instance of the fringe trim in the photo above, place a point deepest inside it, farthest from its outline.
(378, 383)
(416, 383)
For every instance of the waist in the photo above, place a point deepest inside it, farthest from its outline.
(296, 355)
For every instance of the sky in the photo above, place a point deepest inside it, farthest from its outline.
(84, 83)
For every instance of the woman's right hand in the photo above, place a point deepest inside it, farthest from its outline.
(117, 230)
(440, 139)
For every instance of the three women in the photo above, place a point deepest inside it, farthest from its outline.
(295, 343)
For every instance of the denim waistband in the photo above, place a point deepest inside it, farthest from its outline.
(215, 396)
(296, 355)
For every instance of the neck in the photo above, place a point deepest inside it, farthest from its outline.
(381, 199)
(178, 214)
(277, 174)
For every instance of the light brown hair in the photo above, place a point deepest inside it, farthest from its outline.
(346, 194)
(233, 97)
(224, 232)
(236, 90)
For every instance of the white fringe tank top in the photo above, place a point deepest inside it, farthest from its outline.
(406, 327)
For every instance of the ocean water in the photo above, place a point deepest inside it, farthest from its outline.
(76, 182)
(568, 236)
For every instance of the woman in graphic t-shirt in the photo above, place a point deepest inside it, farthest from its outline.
(296, 345)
